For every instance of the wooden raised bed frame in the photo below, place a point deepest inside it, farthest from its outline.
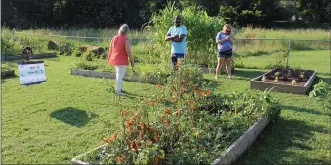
(231, 154)
(134, 78)
(35, 56)
(96, 74)
(8, 73)
(257, 83)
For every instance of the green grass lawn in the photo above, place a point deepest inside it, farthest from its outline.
(68, 115)
(54, 121)
(301, 134)
(318, 60)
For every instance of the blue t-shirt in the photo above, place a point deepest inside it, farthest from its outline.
(178, 47)
(225, 45)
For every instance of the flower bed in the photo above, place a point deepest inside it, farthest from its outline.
(152, 76)
(134, 78)
(287, 80)
(184, 123)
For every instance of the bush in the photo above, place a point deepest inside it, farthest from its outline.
(89, 55)
(5, 67)
(77, 52)
(9, 47)
(186, 75)
(66, 48)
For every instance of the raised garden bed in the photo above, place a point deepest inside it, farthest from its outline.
(8, 73)
(35, 56)
(297, 81)
(90, 73)
(190, 125)
(231, 154)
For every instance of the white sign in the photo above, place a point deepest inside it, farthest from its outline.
(32, 72)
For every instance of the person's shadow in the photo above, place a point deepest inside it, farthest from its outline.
(130, 95)
(73, 116)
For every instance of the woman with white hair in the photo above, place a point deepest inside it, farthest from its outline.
(119, 55)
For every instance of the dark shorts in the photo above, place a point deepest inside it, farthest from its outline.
(225, 53)
(178, 55)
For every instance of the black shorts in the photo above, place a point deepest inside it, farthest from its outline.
(225, 53)
(178, 55)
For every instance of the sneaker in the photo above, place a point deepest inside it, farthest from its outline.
(120, 94)
(216, 77)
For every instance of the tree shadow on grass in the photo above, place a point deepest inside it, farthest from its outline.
(50, 58)
(211, 83)
(4, 79)
(73, 116)
(278, 141)
(305, 110)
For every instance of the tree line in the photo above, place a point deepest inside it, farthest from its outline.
(25, 14)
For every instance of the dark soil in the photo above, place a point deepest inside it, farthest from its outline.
(287, 75)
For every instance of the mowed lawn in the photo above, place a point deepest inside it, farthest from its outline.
(318, 60)
(68, 115)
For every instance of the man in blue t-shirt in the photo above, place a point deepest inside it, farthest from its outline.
(177, 35)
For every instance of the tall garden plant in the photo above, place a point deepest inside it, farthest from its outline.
(202, 30)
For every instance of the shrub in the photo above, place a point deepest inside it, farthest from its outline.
(186, 75)
(5, 67)
(89, 55)
(77, 52)
(320, 90)
(66, 48)
(9, 47)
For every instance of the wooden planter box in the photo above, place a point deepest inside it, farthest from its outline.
(35, 56)
(89, 73)
(8, 73)
(257, 83)
(231, 154)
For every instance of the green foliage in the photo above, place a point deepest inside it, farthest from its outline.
(89, 55)
(253, 12)
(189, 125)
(66, 48)
(186, 75)
(322, 93)
(192, 127)
(280, 61)
(9, 47)
(202, 30)
(97, 14)
(5, 67)
(77, 52)
(314, 11)
(321, 90)
(85, 66)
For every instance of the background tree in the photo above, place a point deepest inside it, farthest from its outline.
(111, 13)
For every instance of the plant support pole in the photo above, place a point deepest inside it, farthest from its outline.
(288, 52)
